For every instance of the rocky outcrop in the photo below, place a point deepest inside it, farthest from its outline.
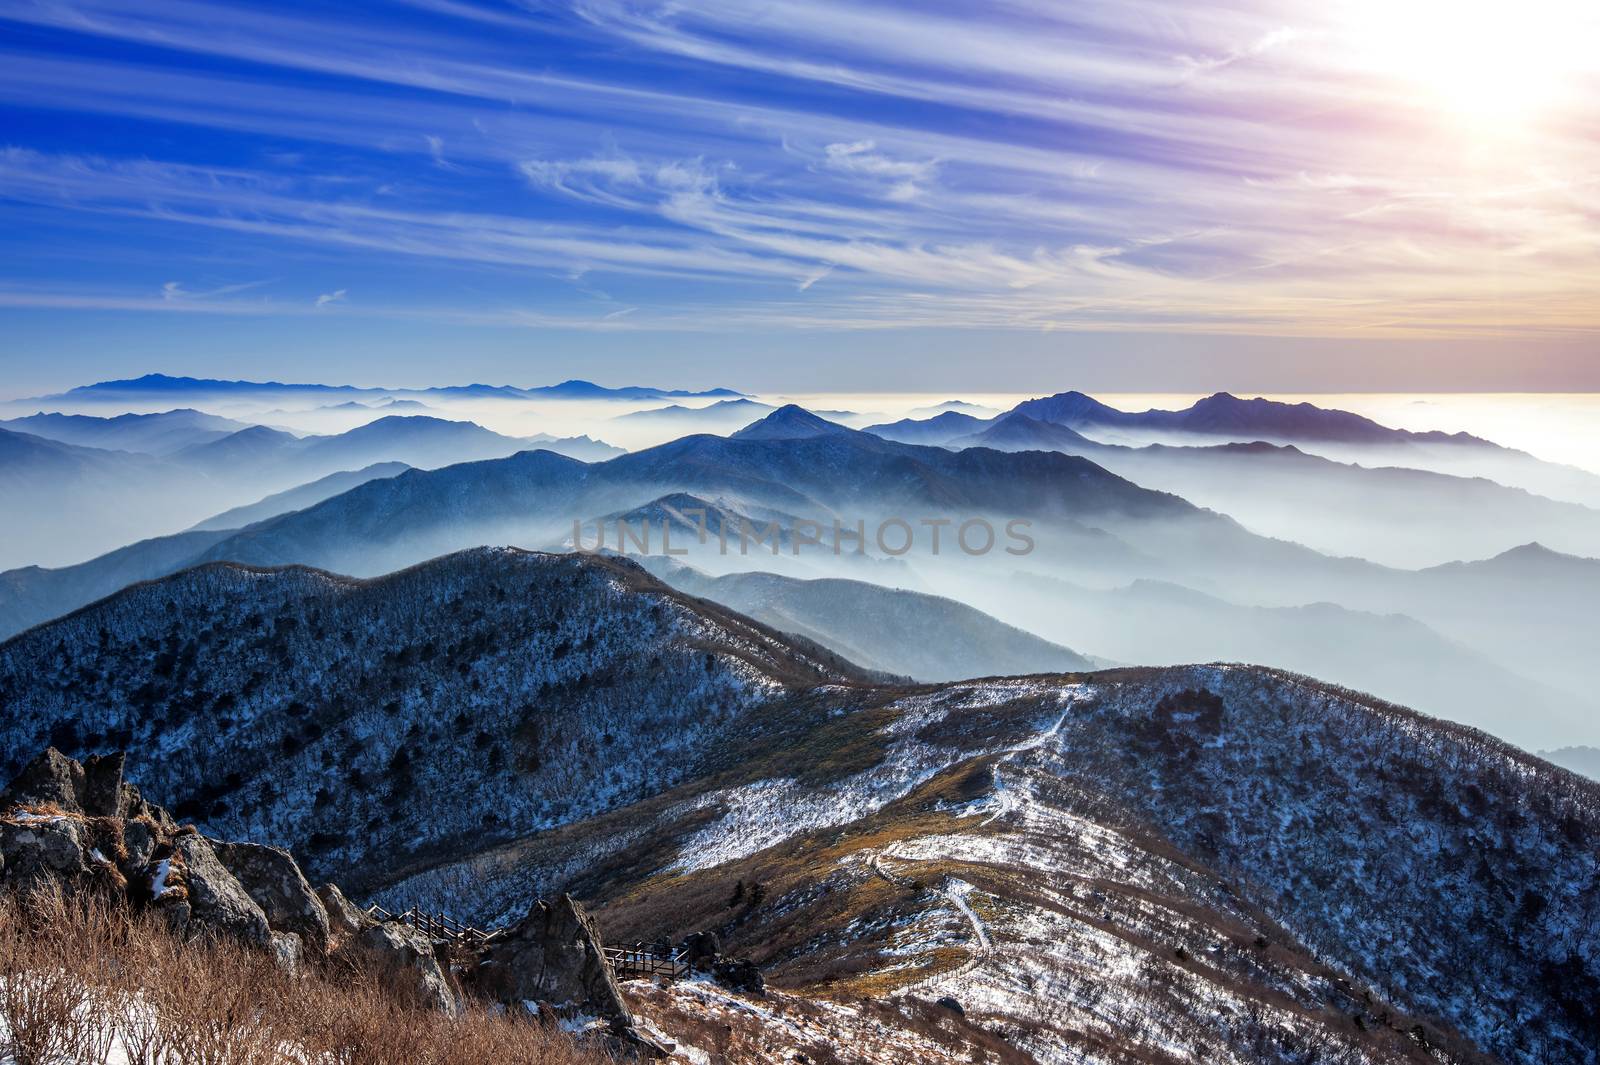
(52, 779)
(703, 952)
(218, 903)
(701, 948)
(72, 826)
(38, 849)
(79, 826)
(275, 883)
(739, 974)
(93, 788)
(345, 918)
(406, 958)
(554, 955)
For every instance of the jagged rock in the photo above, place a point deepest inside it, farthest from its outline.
(39, 850)
(952, 1005)
(102, 794)
(273, 879)
(739, 975)
(701, 948)
(94, 788)
(139, 839)
(218, 902)
(554, 955)
(345, 918)
(405, 956)
(51, 779)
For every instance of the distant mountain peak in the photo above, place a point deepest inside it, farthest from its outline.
(1072, 409)
(790, 422)
(1535, 553)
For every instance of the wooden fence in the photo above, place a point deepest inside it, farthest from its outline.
(637, 960)
(438, 926)
(626, 962)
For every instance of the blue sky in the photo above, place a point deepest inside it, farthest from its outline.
(795, 194)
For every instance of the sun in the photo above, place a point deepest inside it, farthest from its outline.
(1488, 62)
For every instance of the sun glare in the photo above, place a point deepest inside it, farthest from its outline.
(1489, 62)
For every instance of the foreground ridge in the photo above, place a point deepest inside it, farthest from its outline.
(1194, 862)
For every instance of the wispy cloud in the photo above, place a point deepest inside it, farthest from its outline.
(1109, 164)
(175, 290)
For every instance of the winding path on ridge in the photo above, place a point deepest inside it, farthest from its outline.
(980, 949)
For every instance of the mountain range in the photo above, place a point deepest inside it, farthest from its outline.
(1334, 434)
(1389, 514)
(161, 387)
(1183, 864)
(84, 500)
(1093, 530)
(153, 434)
(889, 630)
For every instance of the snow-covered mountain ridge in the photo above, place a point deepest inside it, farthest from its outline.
(1187, 864)
(514, 690)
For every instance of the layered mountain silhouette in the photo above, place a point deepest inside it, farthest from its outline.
(1336, 434)
(1095, 530)
(1390, 514)
(66, 502)
(300, 497)
(722, 416)
(162, 386)
(151, 434)
(82, 500)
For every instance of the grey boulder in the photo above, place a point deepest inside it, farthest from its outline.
(554, 955)
(345, 918)
(217, 901)
(36, 851)
(275, 883)
(407, 960)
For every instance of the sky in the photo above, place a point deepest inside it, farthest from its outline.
(1282, 195)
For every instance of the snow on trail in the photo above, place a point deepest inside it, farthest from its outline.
(1005, 799)
(954, 892)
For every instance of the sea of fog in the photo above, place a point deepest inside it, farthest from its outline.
(1559, 427)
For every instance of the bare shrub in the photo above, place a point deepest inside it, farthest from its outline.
(80, 978)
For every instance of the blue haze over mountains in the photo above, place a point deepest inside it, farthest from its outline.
(1244, 530)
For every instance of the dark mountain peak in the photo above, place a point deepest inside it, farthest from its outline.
(576, 388)
(1071, 409)
(258, 432)
(1014, 420)
(160, 382)
(949, 417)
(790, 422)
(406, 423)
(1015, 431)
(1224, 413)
(1528, 562)
(1537, 554)
(934, 430)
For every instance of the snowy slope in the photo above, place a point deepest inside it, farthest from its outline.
(1207, 863)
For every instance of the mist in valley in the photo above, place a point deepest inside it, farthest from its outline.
(1386, 560)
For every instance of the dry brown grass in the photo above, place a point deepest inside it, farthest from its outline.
(77, 975)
